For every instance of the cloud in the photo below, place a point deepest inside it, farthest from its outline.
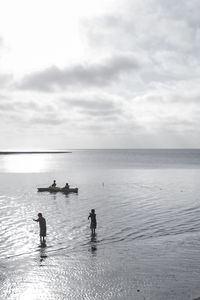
(31, 121)
(46, 119)
(156, 24)
(135, 82)
(1, 41)
(5, 80)
(29, 113)
(95, 106)
(83, 75)
(165, 34)
(92, 103)
(7, 104)
(182, 92)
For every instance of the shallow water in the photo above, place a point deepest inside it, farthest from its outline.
(148, 235)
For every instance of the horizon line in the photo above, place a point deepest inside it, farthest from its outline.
(14, 151)
(33, 152)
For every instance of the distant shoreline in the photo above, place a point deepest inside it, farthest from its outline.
(32, 152)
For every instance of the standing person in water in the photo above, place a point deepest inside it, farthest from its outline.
(54, 184)
(43, 228)
(93, 223)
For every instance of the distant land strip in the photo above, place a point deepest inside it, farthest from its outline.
(32, 152)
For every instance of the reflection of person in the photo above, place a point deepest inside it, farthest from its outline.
(93, 223)
(43, 229)
(54, 184)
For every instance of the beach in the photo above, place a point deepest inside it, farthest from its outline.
(148, 228)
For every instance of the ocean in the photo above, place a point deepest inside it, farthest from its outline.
(148, 225)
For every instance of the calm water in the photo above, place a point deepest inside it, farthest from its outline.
(148, 237)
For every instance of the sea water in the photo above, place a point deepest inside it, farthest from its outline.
(147, 242)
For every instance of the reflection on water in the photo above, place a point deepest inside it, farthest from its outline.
(147, 242)
(93, 242)
(43, 253)
(27, 163)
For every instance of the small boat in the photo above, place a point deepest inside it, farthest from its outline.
(64, 190)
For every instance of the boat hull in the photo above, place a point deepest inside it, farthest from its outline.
(57, 189)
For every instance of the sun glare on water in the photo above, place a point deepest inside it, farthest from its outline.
(26, 163)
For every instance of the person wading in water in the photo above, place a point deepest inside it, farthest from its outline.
(93, 223)
(43, 228)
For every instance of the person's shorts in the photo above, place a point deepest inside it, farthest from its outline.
(42, 232)
(93, 225)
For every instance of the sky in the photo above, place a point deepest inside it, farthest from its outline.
(99, 74)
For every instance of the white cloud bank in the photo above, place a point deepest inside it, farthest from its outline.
(134, 83)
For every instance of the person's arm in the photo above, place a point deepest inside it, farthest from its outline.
(36, 220)
(89, 216)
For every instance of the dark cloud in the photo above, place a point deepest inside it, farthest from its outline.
(103, 113)
(87, 75)
(95, 106)
(93, 103)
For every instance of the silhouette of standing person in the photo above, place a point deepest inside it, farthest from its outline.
(67, 185)
(93, 223)
(43, 228)
(54, 184)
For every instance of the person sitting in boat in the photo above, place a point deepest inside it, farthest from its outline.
(54, 184)
(93, 223)
(67, 185)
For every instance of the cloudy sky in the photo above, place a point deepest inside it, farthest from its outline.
(99, 74)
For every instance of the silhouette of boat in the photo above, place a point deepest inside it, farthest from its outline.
(58, 189)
